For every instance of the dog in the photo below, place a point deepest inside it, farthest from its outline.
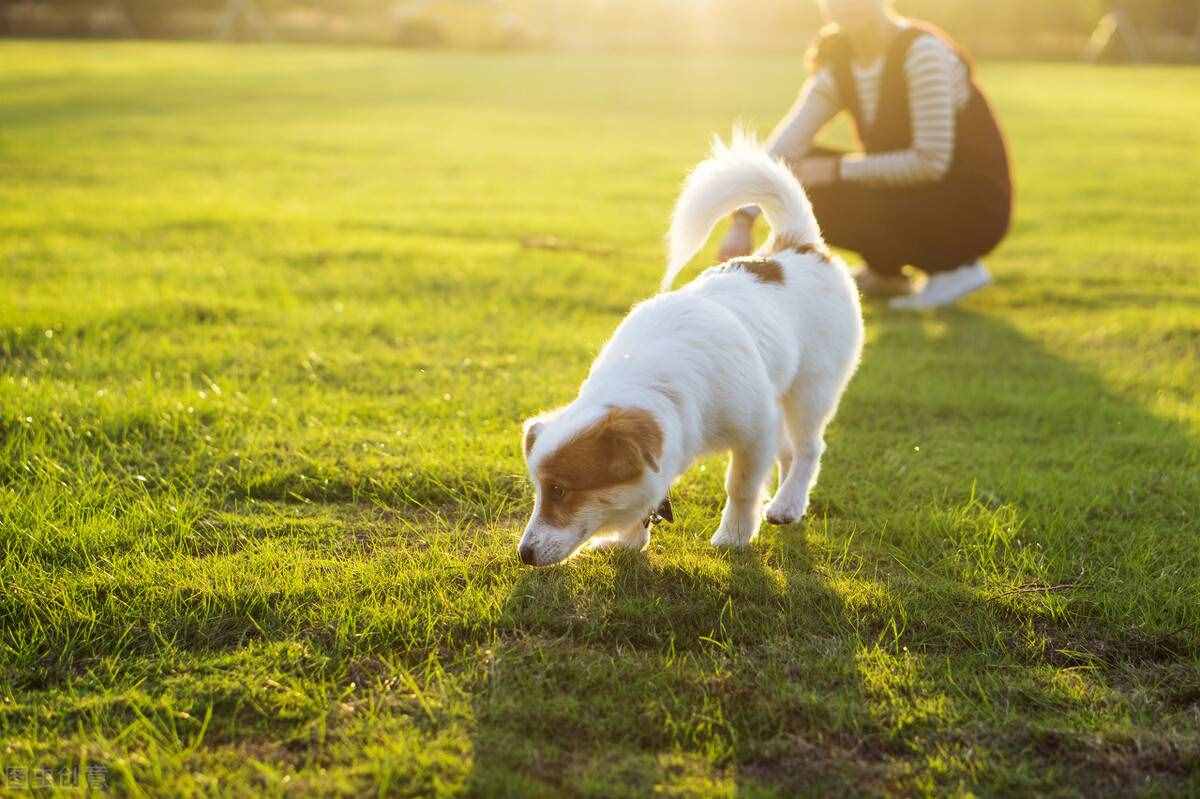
(752, 358)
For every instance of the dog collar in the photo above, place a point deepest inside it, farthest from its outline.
(663, 513)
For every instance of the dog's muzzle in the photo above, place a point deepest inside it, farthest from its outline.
(528, 556)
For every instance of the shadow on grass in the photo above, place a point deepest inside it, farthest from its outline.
(606, 678)
(903, 637)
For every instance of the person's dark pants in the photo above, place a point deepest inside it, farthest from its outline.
(934, 227)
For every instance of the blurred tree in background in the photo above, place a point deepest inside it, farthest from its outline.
(990, 27)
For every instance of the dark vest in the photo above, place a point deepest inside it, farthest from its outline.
(980, 154)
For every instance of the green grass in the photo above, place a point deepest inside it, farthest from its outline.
(271, 319)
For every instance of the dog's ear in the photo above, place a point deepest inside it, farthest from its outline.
(634, 434)
(533, 427)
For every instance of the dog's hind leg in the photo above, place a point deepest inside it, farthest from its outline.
(749, 467)
(785, 454)
(808, 407)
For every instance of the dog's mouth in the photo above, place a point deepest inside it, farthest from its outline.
(553, 552)
(532, 555)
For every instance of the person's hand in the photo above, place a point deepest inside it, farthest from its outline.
(817, 171)
(739, 240)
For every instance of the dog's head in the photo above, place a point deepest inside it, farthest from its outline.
(591, 472)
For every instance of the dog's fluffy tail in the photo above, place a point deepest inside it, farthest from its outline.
(737, 175)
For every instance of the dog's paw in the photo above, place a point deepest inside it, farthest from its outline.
(781, 511)
(734, 535)
(722, 538)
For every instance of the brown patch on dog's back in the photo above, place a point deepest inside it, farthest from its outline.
(611, 452)
(785, 242)
(764, 270)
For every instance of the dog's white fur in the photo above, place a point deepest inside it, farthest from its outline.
(728, 362)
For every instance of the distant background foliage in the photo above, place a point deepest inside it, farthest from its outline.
(989, 27)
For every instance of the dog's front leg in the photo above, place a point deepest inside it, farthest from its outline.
(636, 537)
(748, 470)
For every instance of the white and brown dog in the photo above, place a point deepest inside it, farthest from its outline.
(751, 357)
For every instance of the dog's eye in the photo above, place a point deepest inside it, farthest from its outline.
(557, 491)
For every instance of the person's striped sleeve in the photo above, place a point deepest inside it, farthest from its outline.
(933, 71)
(817, 104)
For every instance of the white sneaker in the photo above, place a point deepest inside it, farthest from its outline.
(945, 288)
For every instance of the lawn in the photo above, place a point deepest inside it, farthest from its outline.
(271, 318)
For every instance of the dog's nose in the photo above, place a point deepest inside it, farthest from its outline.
(527, 554)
